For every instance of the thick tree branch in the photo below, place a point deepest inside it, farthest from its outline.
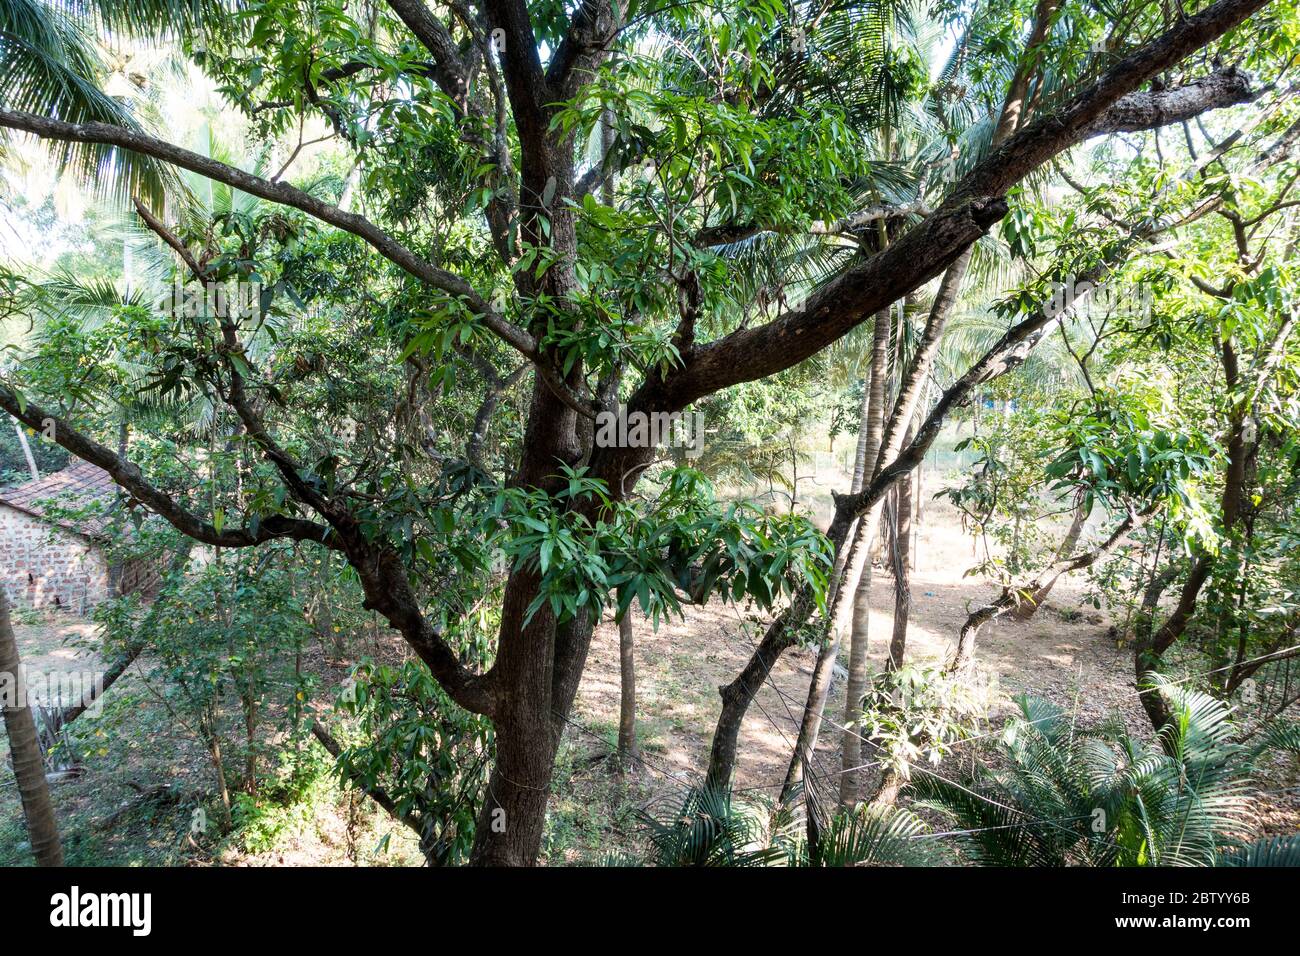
(593, 26)
(526, 84)
(1144, 111)
(929, 247)
(450, 72)
(383, 576)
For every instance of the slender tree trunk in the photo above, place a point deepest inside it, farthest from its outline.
(902, 575)
(25, 748)
(847, 568)
(1029, 608)
(1014, 113)
(779, 636)
(851, 747)
(210, 730)
(871, 424)
(848, 565)
(851, 744)
(824, 669)
(27, 450)
(627, 748)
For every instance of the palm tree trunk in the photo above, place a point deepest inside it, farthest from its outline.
(25, 749)
(875, 428)
(851, 745)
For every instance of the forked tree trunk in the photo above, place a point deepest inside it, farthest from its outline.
(627, 749)
(1029, 607)
(25, 748)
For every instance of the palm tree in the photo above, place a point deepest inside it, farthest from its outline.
(710, 828)
(1068, 797)
(25, 749)
(50, 64)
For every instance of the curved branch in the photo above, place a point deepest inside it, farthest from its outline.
(282, 193)
(129, 477)
(929, 247)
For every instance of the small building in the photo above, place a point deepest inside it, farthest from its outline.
(48, 559)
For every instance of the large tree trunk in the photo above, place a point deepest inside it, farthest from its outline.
(25, 749)
(513, 813)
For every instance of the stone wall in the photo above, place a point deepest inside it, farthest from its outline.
(42, 565)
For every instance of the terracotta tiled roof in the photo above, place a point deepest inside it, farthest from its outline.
(76, 486)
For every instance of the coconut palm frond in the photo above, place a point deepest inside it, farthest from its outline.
(51, 65)
(148, 19)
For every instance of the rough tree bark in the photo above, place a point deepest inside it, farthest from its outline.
(25, 748)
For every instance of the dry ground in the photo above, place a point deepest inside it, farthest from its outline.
(1063, 653)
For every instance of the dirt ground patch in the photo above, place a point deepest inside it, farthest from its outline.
(1064, 653)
